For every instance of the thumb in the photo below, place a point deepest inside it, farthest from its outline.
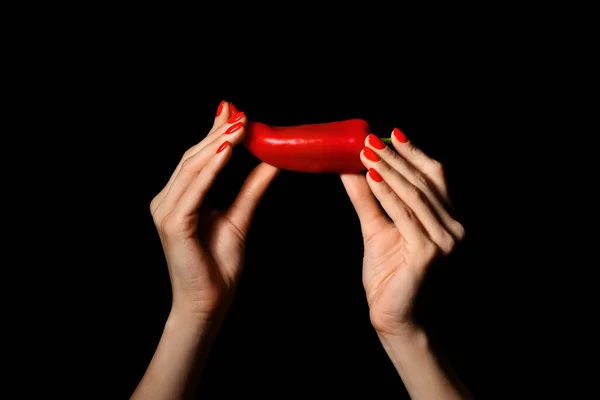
(371, 216)
(241, 211)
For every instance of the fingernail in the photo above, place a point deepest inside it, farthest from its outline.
(233, 128)
(375, 175)
(235, 117)
(233, 109)
(220, 108)
(400, 135)
(222, 146)
(371, 155)
(376, 142)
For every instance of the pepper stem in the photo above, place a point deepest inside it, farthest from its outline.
(386, 140)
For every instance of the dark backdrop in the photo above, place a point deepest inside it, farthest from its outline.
(107, 100)
(299, 321)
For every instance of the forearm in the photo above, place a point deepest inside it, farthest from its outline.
(422, 374)
(177, 364)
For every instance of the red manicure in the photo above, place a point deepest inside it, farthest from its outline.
(234, 128)
(371, 155)
(220, 108)
(222, 146)
(235, 117)
(376, 142)
(400, 135)
(375, 175)
(233, 109)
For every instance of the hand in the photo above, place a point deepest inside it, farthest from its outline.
(204, 248)
(411, 188)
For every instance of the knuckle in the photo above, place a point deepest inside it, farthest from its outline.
(170, 225)
(436, 167)
(404, 212)
(191, 151)
(414, 149)
(383, 188)
(430, 251)
(459, 231)
(422, 181)
(393, 156)
(153, 204)
(415, 194)
(447, 244)
(187, 164)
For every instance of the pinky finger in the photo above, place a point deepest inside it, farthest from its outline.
(428, 166)
(402, 216)
(193, 197)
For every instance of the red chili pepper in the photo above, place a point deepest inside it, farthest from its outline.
(326, 147)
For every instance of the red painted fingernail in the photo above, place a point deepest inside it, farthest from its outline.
(233, 109)
(234, 128)
(220, 108)
(235, 117)
(375, 175)
(376, 142)
(371, 155)
(400, 135)
(222, 146)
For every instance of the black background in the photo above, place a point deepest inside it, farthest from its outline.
(299, 322)
(300, 319)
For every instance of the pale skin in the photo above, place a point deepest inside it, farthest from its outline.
(204, 251)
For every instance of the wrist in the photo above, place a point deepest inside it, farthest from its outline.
(404, 329)
(200, 313)
(201, 324)
(405, 334)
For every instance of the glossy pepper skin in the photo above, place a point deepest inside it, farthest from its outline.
(326, 147)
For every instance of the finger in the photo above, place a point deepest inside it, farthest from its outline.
(232, 133)
(417, 179)
(195, 193)
(430, 167)
(222, 115)
(241, 211)
(412, 197)
(233, 118)
(220, 125)
(403, 217)
(371, 216)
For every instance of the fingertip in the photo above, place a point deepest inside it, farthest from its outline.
(220, 108)
(273, 168)
(239, 116)
(374, 142)
(225, 109)
(374, 175)
(226, 145)
(399, 135)
(267, 169)
(237, 126)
